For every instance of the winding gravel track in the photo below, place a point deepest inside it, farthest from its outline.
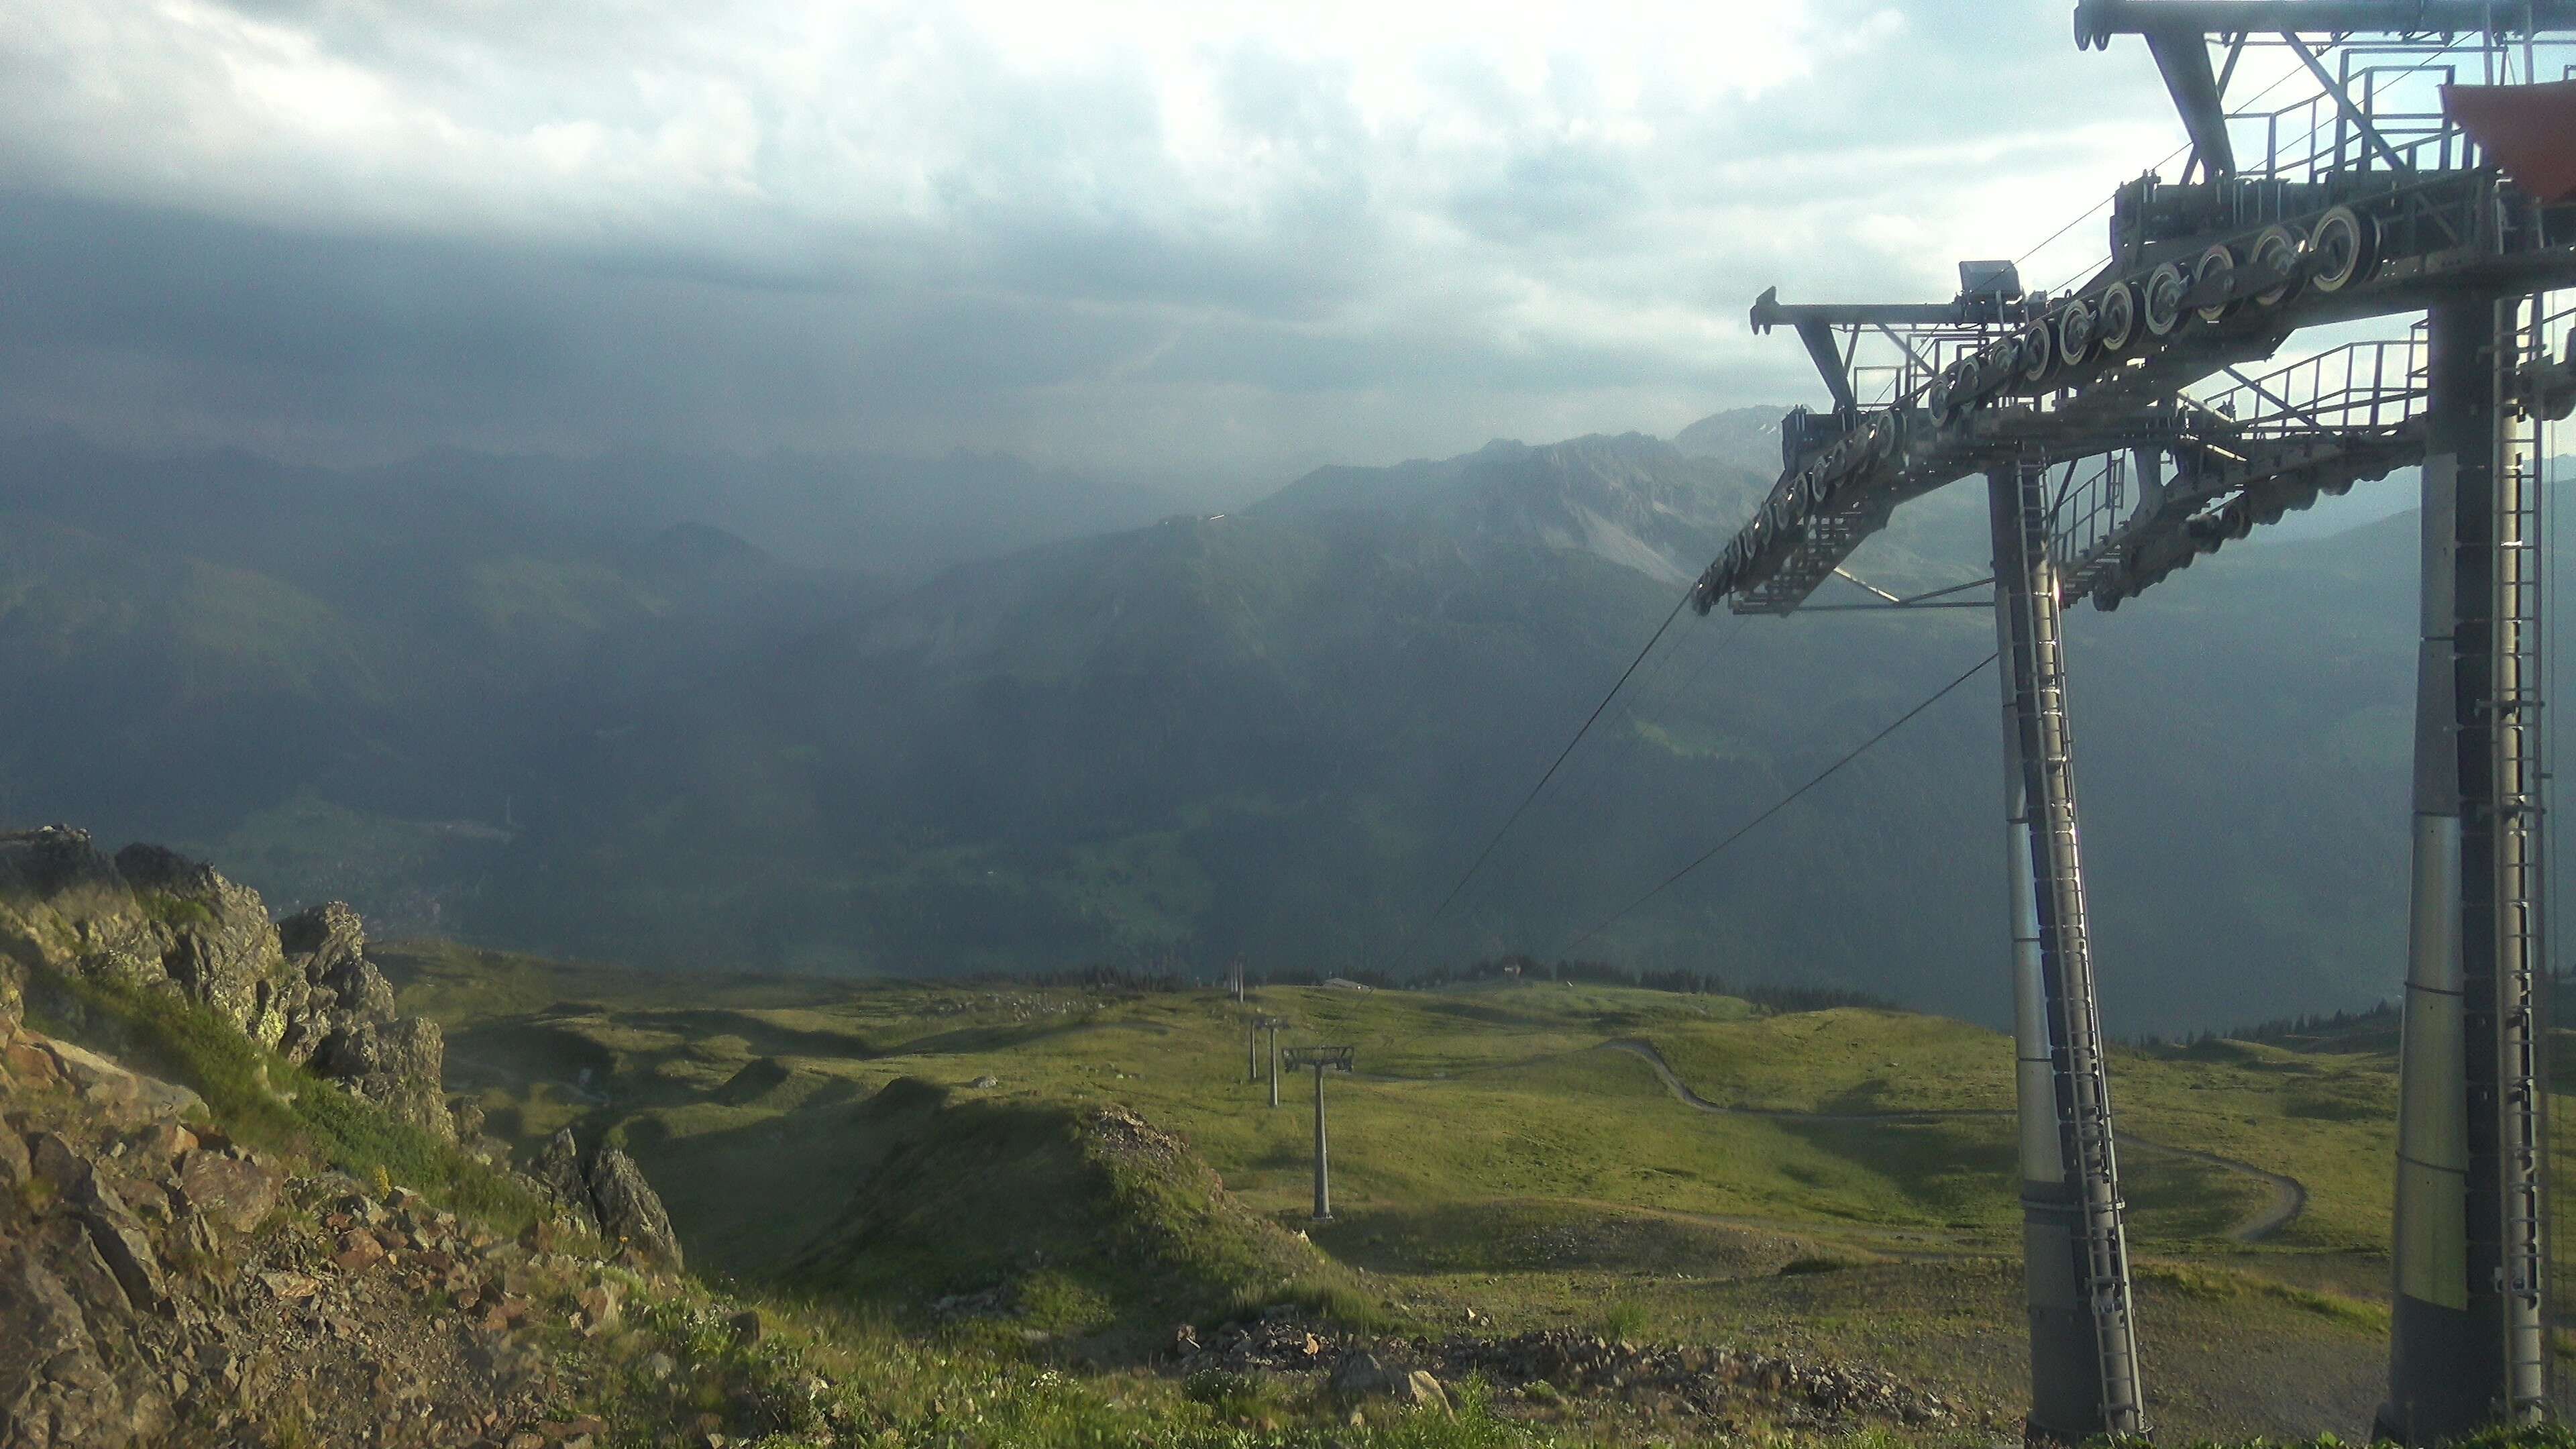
(2289, 1195)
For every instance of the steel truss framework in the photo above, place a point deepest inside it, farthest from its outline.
(2122, 435)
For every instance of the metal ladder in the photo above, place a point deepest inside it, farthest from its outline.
(2517, 727)
(2083, 1085)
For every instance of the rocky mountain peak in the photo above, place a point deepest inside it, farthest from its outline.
(1631, 499)
(1635, 500)
(1745, 437)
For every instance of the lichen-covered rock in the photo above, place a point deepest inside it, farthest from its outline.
(558, 1168)
(221, 947)
(328, 946)
(53, 1391)
(227, 1189)
(630, 1211)
(15, 1166)
(396, 1064)
(126, 1099)
(63, 906)
(55, 860)
(324, 937)
(121, 1242)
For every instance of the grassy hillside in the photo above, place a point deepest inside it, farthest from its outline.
(1506, 1156)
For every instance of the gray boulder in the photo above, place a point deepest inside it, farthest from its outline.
(219, 944)
(323, 938)
(53, 1391)
(328, 947)
(122, 1243)
(228, 1190)
(395, 1064)
(1360, 1375)
(558, 1169)
(630, 1211)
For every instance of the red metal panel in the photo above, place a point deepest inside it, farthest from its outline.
(2528, 131)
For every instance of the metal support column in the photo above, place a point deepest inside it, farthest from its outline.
(2466, 1347)
(2084, 1357)
(1323, 1178)
(1252, 1049)
(1274, 1063)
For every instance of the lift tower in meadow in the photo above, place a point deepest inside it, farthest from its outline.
(1323, 1059)
(2119, 438)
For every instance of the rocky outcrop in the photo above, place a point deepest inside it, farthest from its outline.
(610, 1194)
(558, 1170)
(630, 1212)
(155, 919)
(213, 938)
(95, 1214)
(161, 1285)
(397, 1064)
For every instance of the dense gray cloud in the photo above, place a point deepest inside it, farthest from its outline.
(1189, 239)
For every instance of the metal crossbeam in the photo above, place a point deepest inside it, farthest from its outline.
(1321, 1058)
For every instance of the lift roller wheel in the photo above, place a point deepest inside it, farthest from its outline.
(2115, 319)
(2075, 332)
(2161, 306)
(2342, 249)
(1936, 398)
(2035, 352)
(1997, 364)
(2278, 249)
(2214, 264)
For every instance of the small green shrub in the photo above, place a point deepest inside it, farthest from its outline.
(1220, 1388)
(1623, 1320)
(176, 912)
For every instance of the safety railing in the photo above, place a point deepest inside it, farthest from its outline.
(2395, 124)
(2091, 500)
(2372, 388)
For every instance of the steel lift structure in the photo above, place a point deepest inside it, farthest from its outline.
(1322, 1059)
(2120, 437)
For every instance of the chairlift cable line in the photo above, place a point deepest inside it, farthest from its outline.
(1781, 804)
(1673, 682)
(1405, 952)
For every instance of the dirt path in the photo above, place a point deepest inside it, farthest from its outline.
(2289, 1196)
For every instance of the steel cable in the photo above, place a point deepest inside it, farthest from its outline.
(1405, 952)
(1779, 805)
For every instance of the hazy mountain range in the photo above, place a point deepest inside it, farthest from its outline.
(927, 716)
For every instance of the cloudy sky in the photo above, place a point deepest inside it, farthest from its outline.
(1182, 240)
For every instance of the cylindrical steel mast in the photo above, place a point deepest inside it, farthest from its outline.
(2466, 1344)
(2084, 1357)
(1274, 1064)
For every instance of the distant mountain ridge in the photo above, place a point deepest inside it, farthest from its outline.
(897, 517)
(1631, 499)
(1277, 733)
